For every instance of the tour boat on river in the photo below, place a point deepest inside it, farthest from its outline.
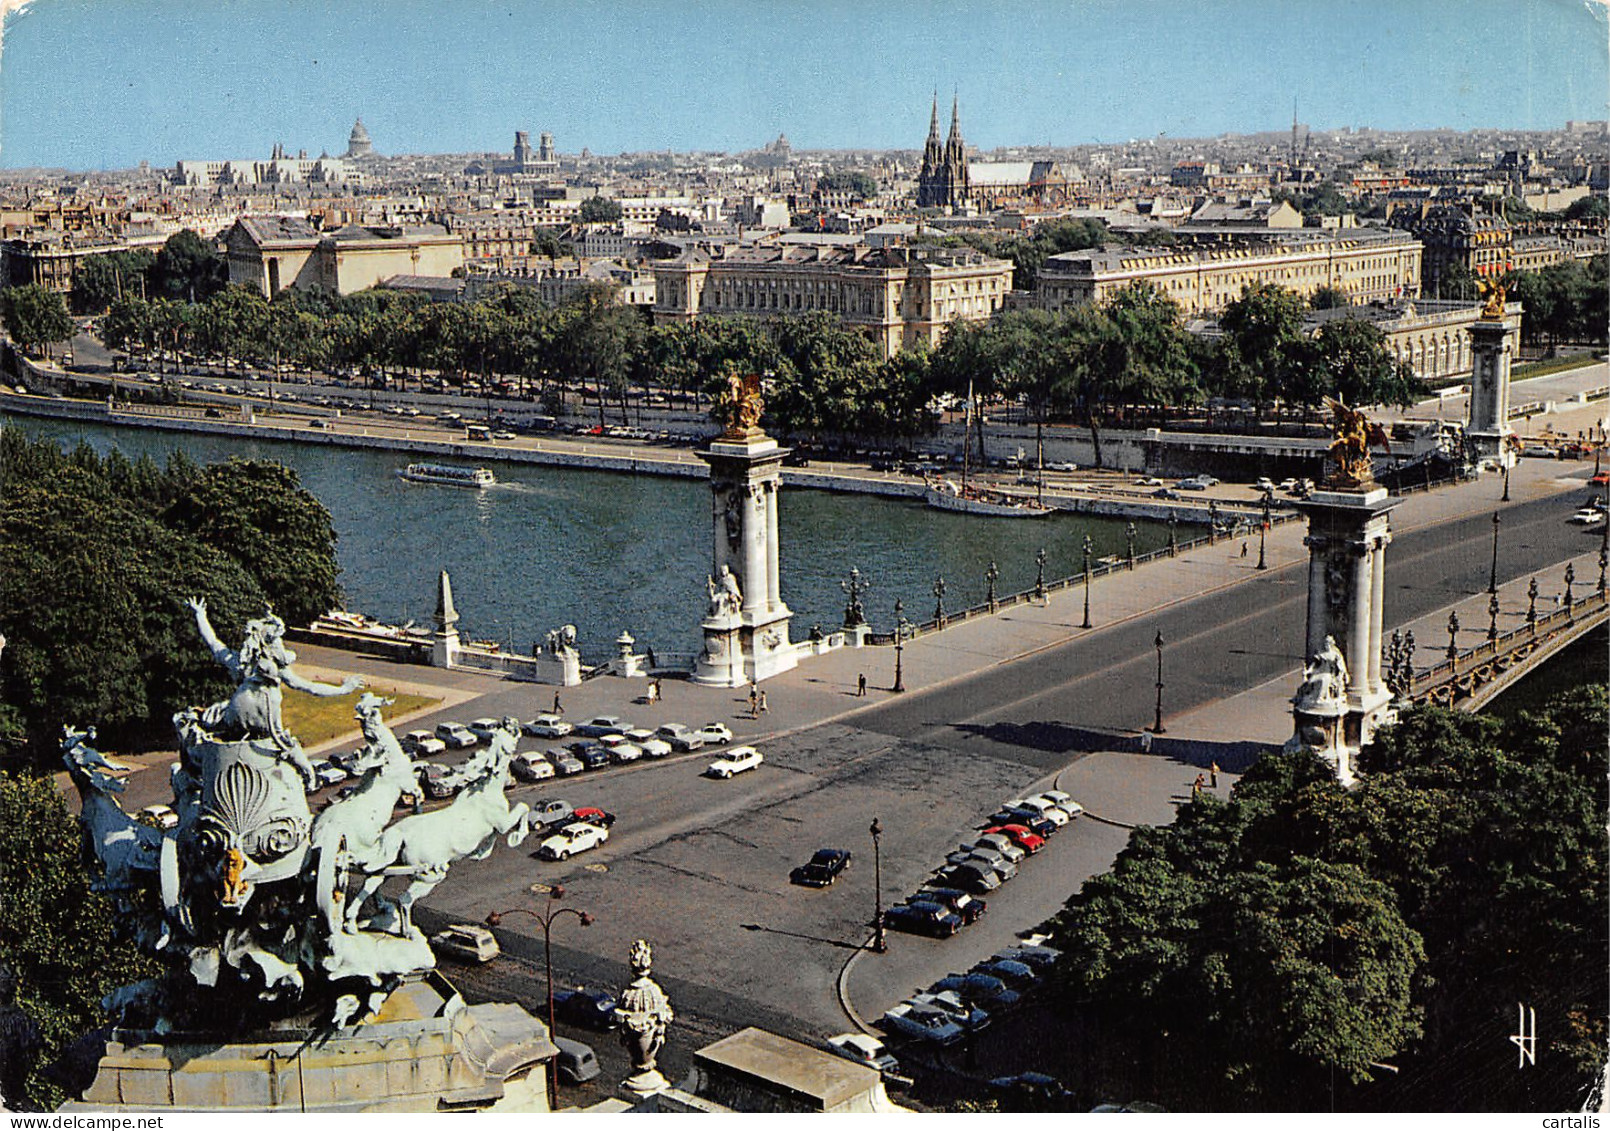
(948, 495)
(451, 476)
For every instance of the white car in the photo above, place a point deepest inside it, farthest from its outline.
(1587, 516)
(456, 735)
(681, 737)
(1063, 801)
(864, 1050)
(463, 940)
(1148, 481)
(572, 839)
(531, 766)
(651, 746)
(422, 743)
(619, 749)
(735, 761)
(715, 734)
(484, 729)
(1263, 483)
(1041, 806)
(1061, 465)
(546, 726)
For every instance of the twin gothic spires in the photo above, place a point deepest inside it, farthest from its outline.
(942, 183)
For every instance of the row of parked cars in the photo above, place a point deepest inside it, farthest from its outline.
(962, 1004)
(952, 898)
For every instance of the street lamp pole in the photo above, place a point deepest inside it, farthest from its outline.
(880, 943)
(1531, 601)
(899, 645)
(1492, 574)
(1088, 547)
(1453, 636)
(1173, 538)
(555, 894)
(939, 600)
(1129, 534)
(1039, 574)
(1492, 617)
(1157, 723)
(991, 575)
(1263, 531)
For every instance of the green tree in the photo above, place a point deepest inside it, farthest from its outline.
(35, 317)
(99, 279)
(188, 268)
(598, 341)
(861, 184)
(1352, 362)
(599, 210)
(234, 324)
(1594, 206)
(1328, 298)
(1263, 334)
(58, 936)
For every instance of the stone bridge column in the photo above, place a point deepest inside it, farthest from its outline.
(1492, 344)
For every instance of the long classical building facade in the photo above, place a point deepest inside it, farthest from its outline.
(900, 297)
(1366, 264)
(271, 253)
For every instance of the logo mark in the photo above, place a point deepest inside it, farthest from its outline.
(1526, 1039)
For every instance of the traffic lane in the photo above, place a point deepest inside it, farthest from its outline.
(1215, 645)
(715, 897)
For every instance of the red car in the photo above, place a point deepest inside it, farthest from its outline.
(594, 817)
(1019, 836)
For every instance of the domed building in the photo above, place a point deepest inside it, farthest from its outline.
(358, 143)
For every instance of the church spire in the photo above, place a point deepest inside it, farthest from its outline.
(954, 146)
(933, 122)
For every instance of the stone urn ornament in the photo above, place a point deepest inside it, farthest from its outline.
(645, 1014)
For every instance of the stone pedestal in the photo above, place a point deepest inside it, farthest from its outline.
(1348, 532)
(745, 633)
(1492, 344)
(562, 668)
(628, 663)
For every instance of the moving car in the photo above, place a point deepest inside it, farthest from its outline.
(550, 811)
(594, 816)
(735, 761)
(922, 1023)
(1587, 516)
(600, 725)
(571, 839)
(864, 1050)
(457, 736)
(422, 743)
(546, 726)
(922, 919)
(591, 1009)
(682, 738)
(468, 942)
(821, 869)
(531, 766)
(1263, 484)
(715, 734)
(1148, 481)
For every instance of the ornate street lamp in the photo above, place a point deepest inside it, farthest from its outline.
(1088, 548)
(1570, 576)
(1039, 574)
(1213, 522)
(879, 942)
(854, 587)
(1453, 636)
(1531, 601)
(1492, 574)
(939, 600)
(1157, 722)
(1173, 537)
(1129, 535)
(1263, 529)
(902, 629)
(1492, 617)
(545, 919)
(991, 576)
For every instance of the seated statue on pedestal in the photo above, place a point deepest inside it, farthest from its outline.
(1324, 686)
(726, 599)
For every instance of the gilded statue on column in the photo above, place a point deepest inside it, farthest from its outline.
(739, 407)
(1493, 292)
(1352, 435)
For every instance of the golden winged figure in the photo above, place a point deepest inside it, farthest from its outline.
(1493, 291)
(1353, 434)
(739, 406)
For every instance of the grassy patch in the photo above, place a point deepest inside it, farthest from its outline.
(1552, 365)
(315, 721)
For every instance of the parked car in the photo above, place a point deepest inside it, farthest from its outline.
(576, 1062)
(594, 816)
(1041, 806)
(568, 841)
(565, 763)
(531, 766)
(974, 879)
(864, 1050)
(591, 1009)
(715, 734)
(1286, 485)
(1063, 801)
(651, 746)
(593, 756)
(1034, 957)
(328, 773)
(483, 728)
(969, 1017)
(1062, 465)
(922, 919)
(438, 781)
(466, 941)
(620, 751)
(457, 736)
(159, 817)
(735, 761)
(981, 989)
(600, 725)
(1263, 484)
(1192, 484)
(821, 869)
(953, 900)
(1027, 818)
(422, 744)
(1018, 974)
(346, 759)
(1002, 844)
(1020, 836)
(1165, 493)
(550, 811)
(546, 726)
(1035, 1091)
(682, 738)
(920, 1023)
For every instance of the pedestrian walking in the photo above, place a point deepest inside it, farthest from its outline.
(1196, 786)
(1244, 549)
(763, 706)
(1145, 742)
(558, 708)
(860, 686)
(659, 690)
(754, 701)
(1213, 775)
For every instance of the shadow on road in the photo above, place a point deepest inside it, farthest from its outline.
(797, 935)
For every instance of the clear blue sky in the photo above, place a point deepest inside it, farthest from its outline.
(104, 83)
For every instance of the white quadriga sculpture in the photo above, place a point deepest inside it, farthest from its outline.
(246, 901)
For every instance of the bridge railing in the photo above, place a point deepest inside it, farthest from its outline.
(1470, 659)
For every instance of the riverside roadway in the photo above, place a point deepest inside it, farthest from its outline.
(997, 707)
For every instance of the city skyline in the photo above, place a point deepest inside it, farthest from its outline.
(721, 76)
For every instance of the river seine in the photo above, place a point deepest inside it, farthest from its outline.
(607, 551)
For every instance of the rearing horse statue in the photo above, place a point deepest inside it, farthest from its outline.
(123, 845)
(423, 846)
